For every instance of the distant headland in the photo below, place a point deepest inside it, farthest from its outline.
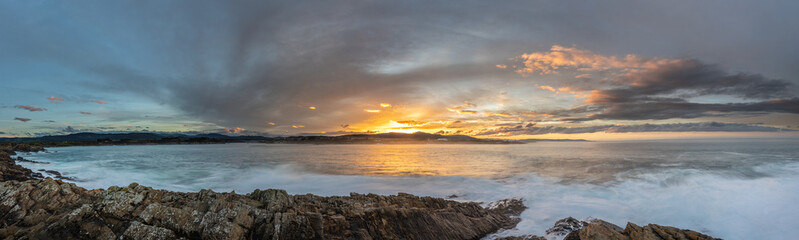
(137, 138)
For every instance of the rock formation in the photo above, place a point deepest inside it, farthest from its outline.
(605, 230)
(9, 170)
(52, 209)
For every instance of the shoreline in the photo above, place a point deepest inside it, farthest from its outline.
(55, 209)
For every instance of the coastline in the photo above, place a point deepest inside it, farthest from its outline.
(50, 208)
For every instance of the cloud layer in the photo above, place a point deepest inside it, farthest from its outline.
(30, 108)
(289, 67)
(636, 88)
(533, 129)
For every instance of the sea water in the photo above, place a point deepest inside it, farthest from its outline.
(732, 189)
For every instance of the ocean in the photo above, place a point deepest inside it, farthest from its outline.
(727, 188)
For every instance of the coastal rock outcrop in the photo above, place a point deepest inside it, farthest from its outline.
(9, 170)
(52, 209)
(604, 230)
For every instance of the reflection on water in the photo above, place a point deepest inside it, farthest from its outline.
(595, 162)
(728, 189)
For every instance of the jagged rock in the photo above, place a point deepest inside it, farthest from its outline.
(22, 147)
(565, 226)
(57, 175)
(9, 170)
(526, 237)
(47, 209)
(512, 207)
(598, 230)
(20, 159)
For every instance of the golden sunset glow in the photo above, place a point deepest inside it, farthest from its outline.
(522, 119)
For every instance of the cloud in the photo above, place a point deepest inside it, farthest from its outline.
(99, 101)
(69, 129)
(86, 113)
(458, 110)
(49, 121)
(30, 108)
(55, 99)
(22, 119)
(234, 130)
(560, 57)
(372, 110)
(636, 88)
(548, 88)
(412, 122)
(266, 58)
(533, 129)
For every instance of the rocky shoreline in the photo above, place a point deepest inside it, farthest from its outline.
(35, 208)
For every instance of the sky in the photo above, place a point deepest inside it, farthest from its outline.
(491, 69)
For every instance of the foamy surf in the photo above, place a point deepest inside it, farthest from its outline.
(740, 196)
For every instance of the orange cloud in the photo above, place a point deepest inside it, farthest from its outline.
(458, 110)
(271, 123)
(548, 88)
(372, 110)
(234, 130)
(297, 126)
(55, 99)
(560, 57)
(412, 122)
(498, 114)
(385, 105)
(500, 66)
(99, 101)
(30, 108)
(312, 108)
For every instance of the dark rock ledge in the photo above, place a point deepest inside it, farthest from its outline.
(31, 208)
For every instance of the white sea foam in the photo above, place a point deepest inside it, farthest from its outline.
(755, 202)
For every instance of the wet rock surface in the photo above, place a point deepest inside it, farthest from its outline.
(9, 170)
(598, 229)
(52, 209)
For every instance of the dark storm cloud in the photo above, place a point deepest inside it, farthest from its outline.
(245, 63)
(687, 78)
(680, 109)
(667, 91)
(532, 129)
(30, 108)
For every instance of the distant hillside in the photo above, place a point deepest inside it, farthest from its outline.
(133, 138)
(553, 140)
(173, 138)
(386, 138)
